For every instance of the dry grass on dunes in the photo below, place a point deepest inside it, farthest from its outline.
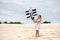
(27, 32)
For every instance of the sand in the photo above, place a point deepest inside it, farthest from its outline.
(27, 32)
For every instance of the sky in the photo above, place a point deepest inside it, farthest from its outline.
(14, 10)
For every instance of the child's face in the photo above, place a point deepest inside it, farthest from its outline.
(39, 17)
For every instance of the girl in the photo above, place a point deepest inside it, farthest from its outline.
(37, 26)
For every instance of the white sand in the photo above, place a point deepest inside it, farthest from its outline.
(27, 32)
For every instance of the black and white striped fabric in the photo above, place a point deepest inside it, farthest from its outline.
(31, 13)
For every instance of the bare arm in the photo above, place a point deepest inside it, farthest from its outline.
(39, 20)
(34, 20)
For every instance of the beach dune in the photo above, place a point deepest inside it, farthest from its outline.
(27, 32)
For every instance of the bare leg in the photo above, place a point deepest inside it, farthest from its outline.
(36, 33)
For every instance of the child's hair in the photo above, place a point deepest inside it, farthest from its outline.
(39, 15)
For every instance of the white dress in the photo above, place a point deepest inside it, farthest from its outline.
(37, 26)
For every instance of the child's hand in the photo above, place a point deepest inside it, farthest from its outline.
(32, 18)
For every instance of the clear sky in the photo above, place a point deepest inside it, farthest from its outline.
(14, 10)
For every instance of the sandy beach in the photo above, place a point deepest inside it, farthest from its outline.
(27, 32)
